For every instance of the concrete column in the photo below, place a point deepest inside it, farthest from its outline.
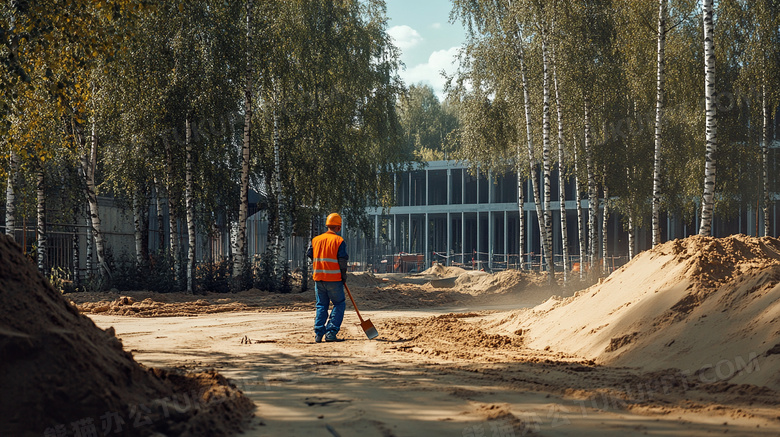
(506, 240)
(449, 186)
(395, 189)
(391, 232)
(410, 193)
(463, 186)
(376, 229)
(425, 245)
(491, 237)
(463, 238)
(409, 234)
(490, 187)
(478, 173)
(476, 251)
(449, 236)
(426, 191)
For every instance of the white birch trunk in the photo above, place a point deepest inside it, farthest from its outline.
(604, 230)
(580, 219)
(279, 225)
(241, 255)
(765, 157)
(40, 190)
(160, 202)
(529, 140)
(137, 231)
(631, 239)
(75, 251)
(190, 206)
(710, 121)
(10, 196)
(88, 163)
(561, 178)
(659, 107)
(547, 247)
(630, 214)
(520, 204)
(593, 196)
(89, 255)
(173, 225)
(305, 267)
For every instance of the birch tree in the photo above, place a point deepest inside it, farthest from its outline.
(351, 117)
(756, 32)
(240, 265)
(499, 56)
(659, 108)
(711, 121)
(10, 193)
(561, 176)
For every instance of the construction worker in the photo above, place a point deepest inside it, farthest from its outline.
(329, 253)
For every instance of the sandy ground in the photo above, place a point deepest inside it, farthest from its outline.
(682, 341)
(414, 381)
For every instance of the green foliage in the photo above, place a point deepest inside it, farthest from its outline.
(264, 275)
(339, 134)
(60, 280)
(606, 51)
(242, 281)
(213, 276)
(285, 281)
(426, 123)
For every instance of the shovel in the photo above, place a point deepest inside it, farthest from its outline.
(367, 326)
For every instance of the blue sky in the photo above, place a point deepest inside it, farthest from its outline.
(428, 42)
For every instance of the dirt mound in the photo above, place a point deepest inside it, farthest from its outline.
(476, 282)
(708, 306)
(62, 375)
(370, 292)
(448, 335)
(151, 304)
(443, 271)
(363, 279)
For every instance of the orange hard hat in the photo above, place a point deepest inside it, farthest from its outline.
(333, 220)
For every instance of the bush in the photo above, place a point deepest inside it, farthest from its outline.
(160, 275)
(285, 284)
(124, 275)
(264, 275)
(214, 277)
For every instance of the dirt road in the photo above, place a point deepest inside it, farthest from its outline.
(430, 376)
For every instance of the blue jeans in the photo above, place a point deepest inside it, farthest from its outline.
(328, 292)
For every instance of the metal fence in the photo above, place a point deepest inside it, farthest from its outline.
(68, 251)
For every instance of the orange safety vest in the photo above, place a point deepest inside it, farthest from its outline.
(326, 263)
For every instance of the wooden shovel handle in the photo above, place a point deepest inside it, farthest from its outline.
(353, 303)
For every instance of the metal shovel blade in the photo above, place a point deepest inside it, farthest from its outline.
(369, 329)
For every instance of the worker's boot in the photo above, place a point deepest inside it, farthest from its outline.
(331, 337)
(318, 338)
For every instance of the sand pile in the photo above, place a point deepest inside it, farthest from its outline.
(448, 336)
(476, 282)
(363, 279)
(151, 304)
(442, 271)
(709, 307)
(62, 375)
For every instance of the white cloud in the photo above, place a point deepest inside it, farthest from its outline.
(404, 36)
(436, 26)
(430, 72)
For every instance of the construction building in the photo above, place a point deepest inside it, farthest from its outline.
(446, 212)
(450, 214)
